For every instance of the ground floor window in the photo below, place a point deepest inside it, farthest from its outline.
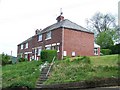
(95, 51)
(48, 48)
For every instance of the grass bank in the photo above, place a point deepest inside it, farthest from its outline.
(21, 74)
(72, 70)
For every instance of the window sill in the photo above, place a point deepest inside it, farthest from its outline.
(39, 40)
(48, 38)
(96, 54)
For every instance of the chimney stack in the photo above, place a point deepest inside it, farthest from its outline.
(38, 31)
(60, 18)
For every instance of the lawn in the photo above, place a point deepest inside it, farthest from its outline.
(111, 60)
(72, 70)
(21, 74)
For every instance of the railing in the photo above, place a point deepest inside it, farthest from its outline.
(50, 66)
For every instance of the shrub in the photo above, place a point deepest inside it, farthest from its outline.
(48, 55)
(106, 51)
(83, 59)
(22, 59)
(20, 85)
(6, 59)
(66, 58)
(86, 59)
(115, 49)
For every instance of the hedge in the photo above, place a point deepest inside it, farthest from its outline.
(115, 49)
(48, 55)
(105, 51)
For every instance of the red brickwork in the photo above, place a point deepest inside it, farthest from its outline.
(82, 43)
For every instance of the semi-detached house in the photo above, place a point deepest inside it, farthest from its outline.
(65, 36)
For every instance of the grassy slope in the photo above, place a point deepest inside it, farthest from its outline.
(105, 60)
(100, 67)
(24, 73)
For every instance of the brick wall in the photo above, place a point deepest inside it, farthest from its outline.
(56, 37)
(81, 43)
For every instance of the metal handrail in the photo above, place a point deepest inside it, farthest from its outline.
(50, 66)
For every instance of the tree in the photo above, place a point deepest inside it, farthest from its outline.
(104, 39)
(100, 22)
(6, 59)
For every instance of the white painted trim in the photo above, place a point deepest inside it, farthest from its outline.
(48, 38)
(96, 45)
(54, 44)
(49, 45)
(58, 43)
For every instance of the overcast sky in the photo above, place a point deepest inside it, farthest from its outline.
(20, 18)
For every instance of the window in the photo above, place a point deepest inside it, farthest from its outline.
(96, 51)
(48, 35)
(40, 37)
(53, 47)
(26, 45)
(21, 46)
(58, 50)
(48, 48)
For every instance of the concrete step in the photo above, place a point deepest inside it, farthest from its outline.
(43, 77)
(39, 82)
(43, 72)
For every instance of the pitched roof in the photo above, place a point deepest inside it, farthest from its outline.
(62, 24)
(65, 24)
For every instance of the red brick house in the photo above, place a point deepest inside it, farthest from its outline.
(68, 38)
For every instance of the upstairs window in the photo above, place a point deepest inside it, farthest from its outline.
(40, 37)
(21, 46)
(48, 35)
(26, 45)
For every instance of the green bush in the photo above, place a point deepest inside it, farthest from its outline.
(105, 51)
(86, 59)
(66, 58)
(6, 59)
(83, 59)
(48, 55)
(20, 85)
(115, 49)
(22, 59)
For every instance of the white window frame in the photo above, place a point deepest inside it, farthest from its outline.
(21, 46)
(40, 37)
(48, 35)
(95, 51)
(48, 48)
(26, 45)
